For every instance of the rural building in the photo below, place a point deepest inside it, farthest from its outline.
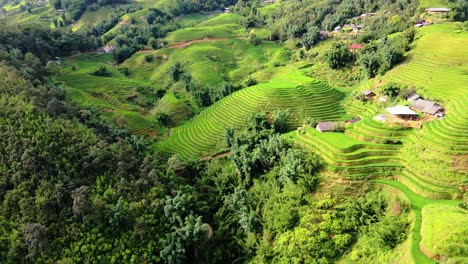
(324, 34)
(355, 47)
(437, 10)
(401, 111)
(413, 97)
(58, 60)
(427, 106)
(353, 120)
(367, 15)
(106, 49)
(421, 23)
(382, 98)
(227, 10)
(326, 126)
(353, 27)
(337, 29)
(369, 95)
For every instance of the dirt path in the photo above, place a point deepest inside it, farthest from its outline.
(183, 44)
(221, 155)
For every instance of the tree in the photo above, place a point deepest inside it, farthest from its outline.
(175, 71)
(254, 40)
(80, 201)
(310, 38)
(229, 133)
(338, 55)
(280, 120)
(370, 64)
(391, 89)
(101, 71)
(36, 238)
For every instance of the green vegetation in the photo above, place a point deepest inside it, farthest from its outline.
(302, 95)
(184, 131)
(444, 234)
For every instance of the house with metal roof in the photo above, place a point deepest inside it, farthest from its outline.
(401, 111)
(327, 126)
(427, 106)
(437, 10)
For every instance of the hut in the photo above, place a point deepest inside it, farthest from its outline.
(401, 111)
(355, 47)
(369, 95)
(326, 126)
(427, 106)
(353, 121)
(437, 10)
(413, 97)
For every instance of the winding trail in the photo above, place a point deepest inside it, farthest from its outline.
(183, 44)
(417, 204)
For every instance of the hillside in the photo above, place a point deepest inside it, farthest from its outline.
(303, 96)
(225, 131)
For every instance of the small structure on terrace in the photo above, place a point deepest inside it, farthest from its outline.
(324, 34)
(401, 111)
(355, 47)
(353, 120)
(437, 10)
(428, 107)
(327, 126)
(413, 97)
(367, 94)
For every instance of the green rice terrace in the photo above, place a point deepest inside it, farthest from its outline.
(177, 77)
(214, 49)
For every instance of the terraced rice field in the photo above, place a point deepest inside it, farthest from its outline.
(304, 96)
(222, 26)
(429, 163)
(109, 94)
(418, 203)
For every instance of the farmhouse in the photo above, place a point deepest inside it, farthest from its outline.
(369, 95)
(337, 29)
(421, 23)
(353, 120)
(367, 15)
(355, 47)
(355, 28)
(326, 126)
(401, 111)
(325, 34)
(106, 49)
(413, 97)
(437, 10)
(427, 106)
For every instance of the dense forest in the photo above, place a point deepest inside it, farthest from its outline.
(76, 187)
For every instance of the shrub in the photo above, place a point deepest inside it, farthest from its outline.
(101, 71)
(149, 58)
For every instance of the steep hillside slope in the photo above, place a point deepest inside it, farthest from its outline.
(304, 96)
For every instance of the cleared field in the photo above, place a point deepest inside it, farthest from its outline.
(304, 96)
